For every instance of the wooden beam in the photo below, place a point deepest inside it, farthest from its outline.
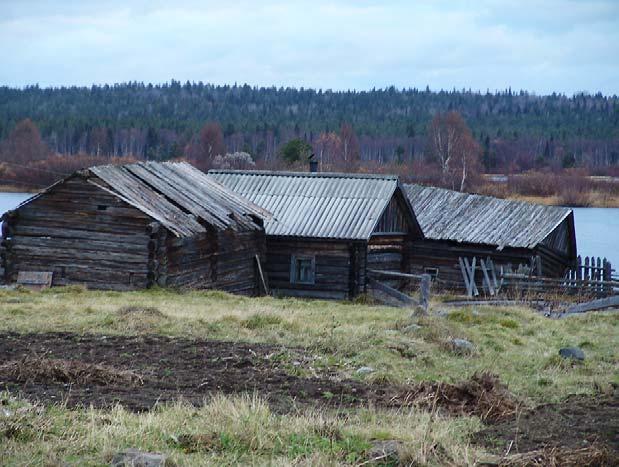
(265, 285)
(594, 305)
(384, 288)
(395, 274)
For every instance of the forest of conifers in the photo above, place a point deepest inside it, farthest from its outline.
(516, 131)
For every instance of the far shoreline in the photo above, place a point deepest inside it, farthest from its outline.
(596, 200)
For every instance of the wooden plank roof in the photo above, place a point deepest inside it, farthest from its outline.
(182, 198)
(470, 218)
(316, 205)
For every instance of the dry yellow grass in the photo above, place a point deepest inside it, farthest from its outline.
(516, 343)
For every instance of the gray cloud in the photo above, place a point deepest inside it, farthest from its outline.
(556, 45)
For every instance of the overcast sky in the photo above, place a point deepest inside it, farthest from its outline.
(541, 46)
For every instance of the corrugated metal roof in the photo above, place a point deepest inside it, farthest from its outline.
(468, 218)
(318, 205)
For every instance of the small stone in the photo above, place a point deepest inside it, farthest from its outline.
(574, 353)
(296, 363)
(385, 452)
(412, 328)
(7, 413)
(442, 313)
(462, 346)
(364, 370)
(134, 458)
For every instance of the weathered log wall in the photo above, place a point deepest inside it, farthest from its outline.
(444, 255)
(387, 252)
(339, 267)
(85, 235)
(81, 234)
(222, 260)
(237, 270)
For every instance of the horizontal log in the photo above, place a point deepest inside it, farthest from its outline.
(393, 274)
(320, 294)
(81, 245)
(77, 234)
(78, 254)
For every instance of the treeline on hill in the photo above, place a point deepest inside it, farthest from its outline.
(53, 130)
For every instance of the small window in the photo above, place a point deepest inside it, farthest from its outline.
(101, 207)
(302, 270)
(432, 272)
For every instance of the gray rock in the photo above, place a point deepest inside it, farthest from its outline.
(384, 452)
(412, 328)
(462, 346)
(574, 353)
(442, 313)
(364, 370)
(134, 458)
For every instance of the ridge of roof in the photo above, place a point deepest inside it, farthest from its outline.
(489, 198)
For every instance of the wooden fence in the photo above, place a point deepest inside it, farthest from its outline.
(591, 274)
(591, 277)
(396, 297)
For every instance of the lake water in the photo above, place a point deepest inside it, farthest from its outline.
(9, 201)
(597, 233)
(597, 229)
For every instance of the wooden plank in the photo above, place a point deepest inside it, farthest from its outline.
(594, 305)
(405, 299)
(486, 276)
(379, 272)
(35, 280)
(262, 277)
(465, 277)
(424, 293)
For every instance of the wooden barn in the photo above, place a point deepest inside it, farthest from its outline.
(328, 229)
(460, 225)
(135, 226)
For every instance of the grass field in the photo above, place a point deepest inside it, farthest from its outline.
(334, 341)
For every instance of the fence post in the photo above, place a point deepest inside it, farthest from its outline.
(424, 293)
(607, 276)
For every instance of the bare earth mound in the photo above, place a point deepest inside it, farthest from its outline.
(592, 456)
(582, 430)
(42, 370)
(482, 395)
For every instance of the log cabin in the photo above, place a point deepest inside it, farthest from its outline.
(510, 233)
(328, 229)
(136, 226)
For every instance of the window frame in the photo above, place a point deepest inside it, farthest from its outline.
(432, 272)
(295, 270)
